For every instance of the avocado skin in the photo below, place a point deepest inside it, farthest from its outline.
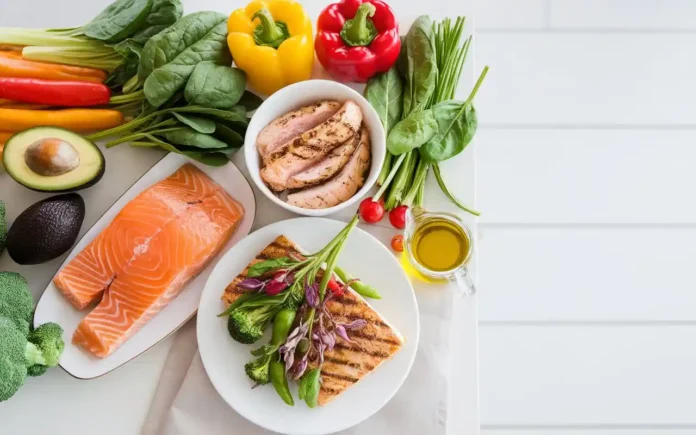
(90, 183)
(46, 230)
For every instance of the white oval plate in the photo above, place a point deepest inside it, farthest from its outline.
(53, 307)
(224, 359)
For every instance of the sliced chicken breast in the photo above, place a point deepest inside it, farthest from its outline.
(342, 187)
(331, 165)
(282, 130)
(312, 146)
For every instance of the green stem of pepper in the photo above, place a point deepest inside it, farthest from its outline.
(270, 33)
(360, 31)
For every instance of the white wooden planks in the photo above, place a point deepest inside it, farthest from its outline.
(587, 375)
(587, 274)
(588, 431)
(654, 15)
(586, 176)
(511, 14)
(580, 79)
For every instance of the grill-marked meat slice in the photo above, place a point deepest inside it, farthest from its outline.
(342, 187)
(281, 131)
(310, 147)
(331, 165)
(347, 363)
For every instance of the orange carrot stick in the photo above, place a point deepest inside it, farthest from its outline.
(12, 65)
(16, 120)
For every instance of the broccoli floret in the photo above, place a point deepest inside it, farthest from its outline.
(257, 370)
(3, 227)
(248, 321)
(48, 338)
(13, 363)
(16, 303)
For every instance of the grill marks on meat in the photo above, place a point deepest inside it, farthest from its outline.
(311, 146)
(347, 363)
(277, 135)
(343, 186)
(332, 164)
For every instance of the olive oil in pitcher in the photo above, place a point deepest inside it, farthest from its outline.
(440, 245)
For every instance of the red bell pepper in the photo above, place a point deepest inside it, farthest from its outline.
(357, 39)
(54, 93)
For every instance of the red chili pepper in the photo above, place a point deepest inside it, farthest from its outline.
(357, 39)
(335, 287)
(54, 93)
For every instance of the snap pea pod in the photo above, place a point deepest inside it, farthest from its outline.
(360, 287)
(281, 328)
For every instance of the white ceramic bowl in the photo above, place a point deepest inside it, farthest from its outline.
(302, 94)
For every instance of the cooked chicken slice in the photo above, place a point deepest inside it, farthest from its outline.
(282, 130)
(310, 147)
(326, 168)
(342, 187)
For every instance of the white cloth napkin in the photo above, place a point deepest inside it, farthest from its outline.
(186, 402)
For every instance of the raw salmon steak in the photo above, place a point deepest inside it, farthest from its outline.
(157, 243)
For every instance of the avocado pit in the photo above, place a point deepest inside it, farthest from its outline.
(51, 157)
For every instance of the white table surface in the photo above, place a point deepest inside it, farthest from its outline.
(117, 403)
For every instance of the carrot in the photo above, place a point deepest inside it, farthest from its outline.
(12, 65)
(5, 136)
(16, 120)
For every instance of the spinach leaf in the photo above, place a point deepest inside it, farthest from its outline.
(457, 123)
(190, 137)
(119, 20)
(421, 66)
(412, 132)
(228, 117)
(262, 267)
(215, 86)
(210, 159)
(130, 50)
(228, 135)
(201, 125)
(164, 13)
(385, 92)
(169, 58)
(448, 194)
(250, 101)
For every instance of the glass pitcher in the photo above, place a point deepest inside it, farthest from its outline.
(437, 247)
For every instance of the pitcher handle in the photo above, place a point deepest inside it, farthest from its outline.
(462, 279)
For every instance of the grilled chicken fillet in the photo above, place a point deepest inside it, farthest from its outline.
(279, 133)
(332, 164)
(347, 363)
(311, 146)
(342, 187)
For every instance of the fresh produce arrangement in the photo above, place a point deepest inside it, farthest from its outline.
(145, 74)
(317, 314)
(24, 350)
(424, 123)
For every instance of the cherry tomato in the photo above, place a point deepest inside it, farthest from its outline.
(397, 217)
(336, 288)
(371, 211)
(397, 243)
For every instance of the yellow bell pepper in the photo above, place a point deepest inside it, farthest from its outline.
(271, 40)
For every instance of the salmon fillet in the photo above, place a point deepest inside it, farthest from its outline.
(347, 363)
(144, 258)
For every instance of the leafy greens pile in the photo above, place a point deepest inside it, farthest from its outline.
(425, 125)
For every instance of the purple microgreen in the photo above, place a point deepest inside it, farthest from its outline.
(252, 284)
(356, 324)
(312, 295)
(275, 287)
(341, 331)
(300, 368)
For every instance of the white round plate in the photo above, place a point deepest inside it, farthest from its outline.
(53, 307)
(364, 257)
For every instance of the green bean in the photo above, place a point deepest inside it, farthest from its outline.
(360, 287)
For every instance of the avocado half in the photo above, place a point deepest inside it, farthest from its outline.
(51, 159)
